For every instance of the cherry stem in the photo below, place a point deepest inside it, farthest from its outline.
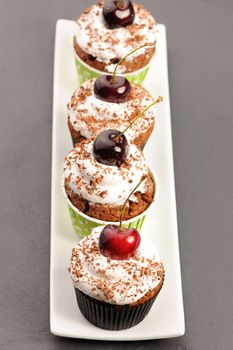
(120, 3)
(124, 58)
(159, 99)
(124, 205)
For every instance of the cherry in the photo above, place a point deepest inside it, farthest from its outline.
(110, 146)
(114, 88)
(118, 244)
(118, 13)
(111, 88)
(109, 151)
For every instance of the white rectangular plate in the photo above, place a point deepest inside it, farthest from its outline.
(166, 318)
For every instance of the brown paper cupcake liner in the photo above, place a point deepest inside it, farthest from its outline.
(109, 316)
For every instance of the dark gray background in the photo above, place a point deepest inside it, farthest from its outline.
(200, 48)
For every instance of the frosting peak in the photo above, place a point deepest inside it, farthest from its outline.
(114, 281)
(90, 115)
(101, 183)
(109, 45)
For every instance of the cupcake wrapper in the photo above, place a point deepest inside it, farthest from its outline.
(112, 317)
(85, 73)
(83, 226)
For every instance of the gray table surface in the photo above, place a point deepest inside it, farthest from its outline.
(201, 83)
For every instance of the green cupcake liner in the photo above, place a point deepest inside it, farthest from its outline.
(85, 73)
(83, 226)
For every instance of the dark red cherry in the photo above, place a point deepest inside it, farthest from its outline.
(109, 151)
(118, 13)
(112, 88)
(118, 244)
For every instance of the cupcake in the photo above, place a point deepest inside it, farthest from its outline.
(95, 192)
(115, 293)
(88, 115)
(108, 31)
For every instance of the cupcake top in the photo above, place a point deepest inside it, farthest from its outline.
(110, 45)
(114, 281)
(100, 183)
(90, 115)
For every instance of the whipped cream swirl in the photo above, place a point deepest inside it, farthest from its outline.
(115, 281)
(100, 183)
(106, 44)
(90, 115)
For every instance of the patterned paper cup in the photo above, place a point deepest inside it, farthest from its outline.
(84, 224)
(86, 72)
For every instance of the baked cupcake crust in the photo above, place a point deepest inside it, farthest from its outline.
(151, 293)
(140, 140)
(108, 212)
(128, 66)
